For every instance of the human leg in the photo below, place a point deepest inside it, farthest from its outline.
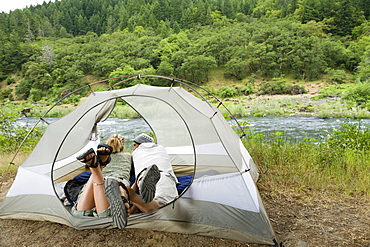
(104, 195)
(117, 206)
(93, 194)
(147, 181)
(139, 204)
(100, 198)
(165, 193)
(166, 190)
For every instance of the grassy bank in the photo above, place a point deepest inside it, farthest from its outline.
(293, 106)
(299, 166)
(306, 166)
(239, 107)
(340, 164)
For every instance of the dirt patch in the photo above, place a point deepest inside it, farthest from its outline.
(299, 219)
(312, 90)
(315, 219)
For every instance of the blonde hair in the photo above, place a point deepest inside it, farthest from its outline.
(117, 142)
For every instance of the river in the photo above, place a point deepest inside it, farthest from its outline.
(292, 128)
(298, 128)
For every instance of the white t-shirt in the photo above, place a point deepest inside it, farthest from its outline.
(148, 154)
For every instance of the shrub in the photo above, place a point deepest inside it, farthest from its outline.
(337, 75)
(10, 80)
(12, 135)
(22, 90)
(330, 91)
(246, 90)
(351, 136)
(6, 93)
(360, 94)
(226, 92)
(36, 94)
(72, 99)
(276, 86)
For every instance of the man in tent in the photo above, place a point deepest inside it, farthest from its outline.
(155, 179)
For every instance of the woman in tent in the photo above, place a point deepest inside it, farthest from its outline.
(152, 189)
(120, 165)
(101, 197)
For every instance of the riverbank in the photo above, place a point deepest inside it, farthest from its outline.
(308, 104)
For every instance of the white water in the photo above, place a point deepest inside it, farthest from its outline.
(296, 128)
(299, 128)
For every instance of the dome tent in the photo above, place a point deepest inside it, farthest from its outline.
(221, 201)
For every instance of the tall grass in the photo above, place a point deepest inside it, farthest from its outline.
(12, 135)
(330, 166)
(124, 111)
(5, 158)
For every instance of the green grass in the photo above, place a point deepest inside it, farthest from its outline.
(318, 167)
(124, 111)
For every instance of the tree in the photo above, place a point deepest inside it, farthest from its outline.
(47, 54)
(127, 70)
(165, 68)
(196, 68)
(363, 74)
(236, 67)
(346, 18)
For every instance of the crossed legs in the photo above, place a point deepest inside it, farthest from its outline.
(93, 194)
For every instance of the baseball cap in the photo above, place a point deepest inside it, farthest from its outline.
(143, 138)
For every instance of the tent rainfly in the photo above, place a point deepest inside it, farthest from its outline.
(221, 201)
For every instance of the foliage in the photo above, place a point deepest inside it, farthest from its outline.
(279, 86)
(360, 93)
(10, 80)
(351, 137)
(245, 90)
(331, 91)
(236, 67)
(11, 135)
(53, 50)
(196, 68)
(337, 76)
(6, 94)
(226, 92)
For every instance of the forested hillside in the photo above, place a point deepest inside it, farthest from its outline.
(52, 47)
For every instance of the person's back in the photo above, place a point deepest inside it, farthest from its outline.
(151, 153)
(120, 163)
(119, 167)
(155, 178)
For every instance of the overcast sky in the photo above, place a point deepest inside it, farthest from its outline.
(7, 5)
